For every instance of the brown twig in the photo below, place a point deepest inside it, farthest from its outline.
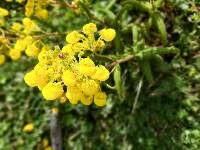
(119, 61)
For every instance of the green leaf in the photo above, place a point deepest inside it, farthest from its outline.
(118, 82)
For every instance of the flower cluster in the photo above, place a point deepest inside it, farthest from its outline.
(65, 73)
(25, 41)
(86, 40)
(37, 7)
(34, 7)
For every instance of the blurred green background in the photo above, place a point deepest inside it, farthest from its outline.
(167, 114)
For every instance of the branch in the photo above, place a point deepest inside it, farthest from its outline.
(119, 61)
(56, 137)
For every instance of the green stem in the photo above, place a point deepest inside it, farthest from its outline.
(109, 86)
(111, 3)
(88, 12)
(135, 36)
(103, 57)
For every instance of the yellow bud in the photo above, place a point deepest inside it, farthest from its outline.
(100, 98)
(86, 67)
(69, 78)
(107, 34)
(86, 100)
(101, 73)
(3, 12)
(74, 94)
(90, 87)
(89, 28)
(29, 78)
(2, 59)
(52, 91)
(28, 127)
(14, 54)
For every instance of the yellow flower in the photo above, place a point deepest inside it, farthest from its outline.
(48, 148)
(45, 142)
(42, 76)
(3, 12)
(86, 100)
(29, 25)
(74, 37)
(2, 59)
(3, 40)
(89, 28)
(20, 1)
(52, 91)
(107, 34)
(28, 40)
(46, 48)
(86, 67)
(28, 127)
(68, 50)
(55, 110)
(29, 78)
(2, 21)
(14, 54)
(100, 98)
(63, 100)
(32, 50)
(74, 94)
(101, 73)
(42, 13)
(77, 47)
(16, 26)
(90, 87)
(69, 78)
(99, 45)
(20, 45)
(43, 56)
(29, 8)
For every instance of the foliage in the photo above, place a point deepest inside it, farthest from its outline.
(154, 67)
